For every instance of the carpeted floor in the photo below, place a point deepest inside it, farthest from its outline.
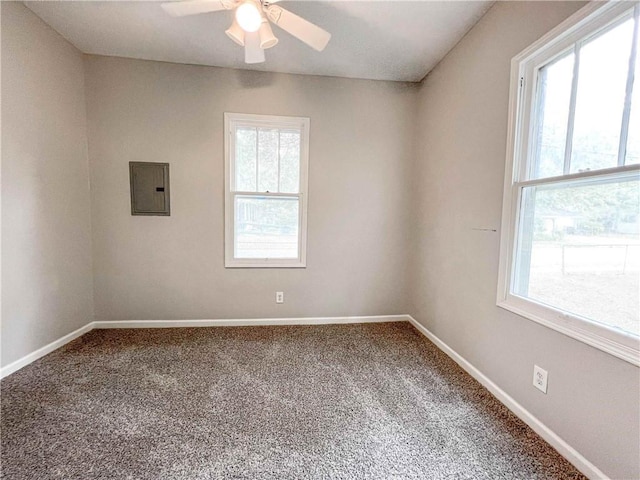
(375, 401)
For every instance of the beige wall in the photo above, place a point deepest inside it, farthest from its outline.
(46, 249)
(592, 400)
(172, 267)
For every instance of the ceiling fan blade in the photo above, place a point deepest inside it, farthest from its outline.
(303, 30)
(193, 7)
(252, 51)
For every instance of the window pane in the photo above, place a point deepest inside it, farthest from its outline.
(266, 227)
(602, 79)
(579, 249)
(245, 159)
(554, 97)
(289, 161)
(633, 141)
(267, 160)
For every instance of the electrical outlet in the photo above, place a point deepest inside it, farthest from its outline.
(540, 378)
(279, 297)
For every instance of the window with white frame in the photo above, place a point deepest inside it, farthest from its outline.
(570, 246)
(266, 165)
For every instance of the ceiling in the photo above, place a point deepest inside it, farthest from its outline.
(381, 40)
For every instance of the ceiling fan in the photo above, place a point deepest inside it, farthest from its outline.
(251, 26)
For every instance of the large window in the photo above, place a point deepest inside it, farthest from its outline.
(570, 247)
(265, 190)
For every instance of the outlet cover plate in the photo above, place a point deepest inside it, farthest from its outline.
(540, 378)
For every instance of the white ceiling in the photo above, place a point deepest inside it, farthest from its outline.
(381, 40)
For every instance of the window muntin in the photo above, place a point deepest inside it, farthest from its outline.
(570, 257)
(265, 212)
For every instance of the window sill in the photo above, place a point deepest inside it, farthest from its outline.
(612, 341)
(266, 263)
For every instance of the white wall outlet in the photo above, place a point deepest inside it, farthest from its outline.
(279, 297)
(540, 378)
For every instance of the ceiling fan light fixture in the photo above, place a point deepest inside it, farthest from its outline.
(252, 51)
(267, 38)
(235, 33)
(251, 27)
(248, 16)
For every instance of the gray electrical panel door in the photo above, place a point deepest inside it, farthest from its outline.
(149, 188)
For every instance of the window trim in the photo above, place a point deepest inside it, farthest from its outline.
(586, 21)
(273, 121)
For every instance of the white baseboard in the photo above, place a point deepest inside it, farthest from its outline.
(41, 352)
(246, 322)
(566, 450)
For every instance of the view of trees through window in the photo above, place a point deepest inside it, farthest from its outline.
(267, 161)
(579, 239)
(584, 252)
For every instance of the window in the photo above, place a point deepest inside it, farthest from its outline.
(266, 160)
(570, 244)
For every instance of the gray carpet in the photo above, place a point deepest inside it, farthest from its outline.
(374, 401)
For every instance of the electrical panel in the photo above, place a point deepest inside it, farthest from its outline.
(149, 188)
